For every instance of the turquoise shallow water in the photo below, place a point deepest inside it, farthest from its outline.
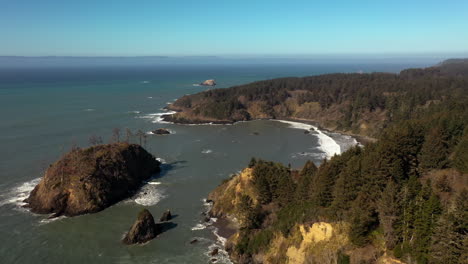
(43, 112)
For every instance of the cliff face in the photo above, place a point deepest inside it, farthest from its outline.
(320, 241)
(227, 196)
(89, 180)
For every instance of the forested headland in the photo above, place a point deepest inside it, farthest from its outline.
(356, 103)
(403, 198)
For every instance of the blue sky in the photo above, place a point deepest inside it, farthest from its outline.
(237, 27)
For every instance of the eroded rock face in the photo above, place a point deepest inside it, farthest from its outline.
(89, 180)
(143, 230)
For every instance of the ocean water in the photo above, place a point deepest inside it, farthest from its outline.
(45, 111)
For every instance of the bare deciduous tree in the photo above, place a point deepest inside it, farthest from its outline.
(116, 135)
(140, 135)
(128, 134)
(95, 140)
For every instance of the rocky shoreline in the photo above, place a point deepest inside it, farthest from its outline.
(361, 139)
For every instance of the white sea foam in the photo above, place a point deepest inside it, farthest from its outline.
(207, 151)
(144, 81)
(196, 84)
(205, 224)
(149, 194)
(199, 227)
(157, 117)
(163, 161)
(326, 144)
(154, 183)
(133, 112)
(222, 256)
(49, 220)
(170, 131)
(18, 193)
(89, 110)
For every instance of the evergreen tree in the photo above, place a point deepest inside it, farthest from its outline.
(248, 213)
(286, 188)
(460, 160)
(426, 217)
(347, 187)
(309, 169)
(363, 220)
(387, 208)
(303, 189)
(252, 162)
(434, 151)
(405, 223)
(447, 244)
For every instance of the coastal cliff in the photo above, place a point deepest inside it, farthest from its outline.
(338, 213)
(91, 179)
(361, 104)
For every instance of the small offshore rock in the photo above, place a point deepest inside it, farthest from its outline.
(194, 241)
(161, 131)
(166, 216)
(210, 82)
(306, 132)
(214, 252)
(143, 230)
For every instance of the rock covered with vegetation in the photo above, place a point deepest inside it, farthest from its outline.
(356, 103)
(143, 230)
(91, 179)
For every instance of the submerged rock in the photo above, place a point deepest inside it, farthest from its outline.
(143, 230)
(214, 252)
(166, 216)
(161, 131)
(194, 241)
(89, 180)
(210, 82)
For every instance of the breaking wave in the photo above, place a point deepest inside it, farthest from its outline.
(17, 194)
(326, 143)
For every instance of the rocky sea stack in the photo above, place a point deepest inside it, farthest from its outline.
(161, 131)
(210, 82)
(166, 216)
(143, 230)
(89, 180)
